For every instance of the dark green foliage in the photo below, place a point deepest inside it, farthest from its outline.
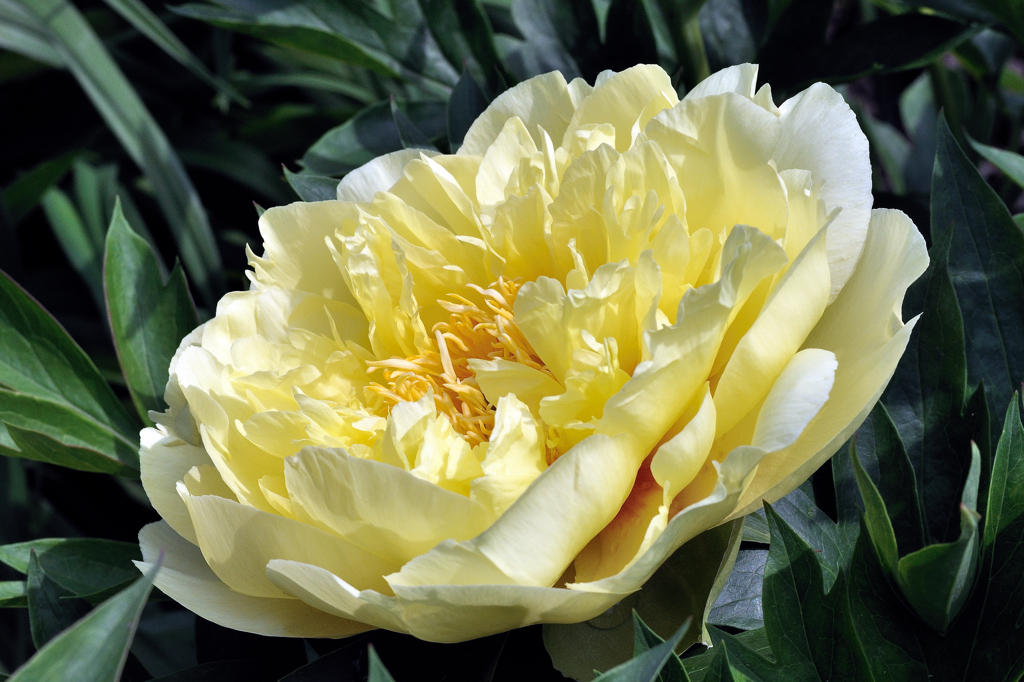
(137, 135)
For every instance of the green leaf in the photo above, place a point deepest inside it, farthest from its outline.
(986, 265)
(293, 27)
(918, 113)
(1007, 12)
(71, 36)
(378, 673)
(150, 25)
(755, 528)
(241, 162)
(889, 43)
(464, 34)
(890, 150)
(645, 639)
(408, 133)
(881, 639)
(749, 644)
(22, 195)
(84, 567)
(464, 106)
(814, 526)
(994, 630)
(876, 516)
(684, 587)
(927, 395)
(729, 33)
(13, 594)
(797, 618)
(739, 603)
(937, 579)
(96, 647)
(647, 666)
(312, 187)
(54, 432)
(1010, 163)
(739, 661)
(148, 316)
(74, 239)
(354, 33)
(22, 34)
(885, 461)
(721, 669)
(49, 610)
(557, 34)
(365, 136)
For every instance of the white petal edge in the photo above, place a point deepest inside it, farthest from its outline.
(164, 460)
(740, 79)
(820, 134)
(378, 175)
(544, 100)
(863, 329)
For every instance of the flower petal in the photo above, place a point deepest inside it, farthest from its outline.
(384, 509)
(544, 101)
(739, 79)
(819, 133)
(164, 460)
(626, 99)
(795, 399)
(454, 613)
(533, 542)
(236, 539)
(325, 591)
(681, 457)
(681, 355)
(734, 474)
(793, 310)
(378, 175)
(862, 328)
(294, 256)
(185, 577)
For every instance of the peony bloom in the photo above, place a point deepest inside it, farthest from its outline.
(502, 386)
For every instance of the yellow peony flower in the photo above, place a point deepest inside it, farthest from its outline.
(502, 386)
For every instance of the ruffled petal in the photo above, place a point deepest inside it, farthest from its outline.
(238, 541)
(819, 133)
(378, 175)
(862, 328)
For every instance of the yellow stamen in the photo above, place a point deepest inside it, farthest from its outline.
(471, 332)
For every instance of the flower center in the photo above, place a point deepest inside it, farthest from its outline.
(484, 331)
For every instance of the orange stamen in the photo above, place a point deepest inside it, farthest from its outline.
(471, 332)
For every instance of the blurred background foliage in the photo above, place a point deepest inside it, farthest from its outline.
(139, 134)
